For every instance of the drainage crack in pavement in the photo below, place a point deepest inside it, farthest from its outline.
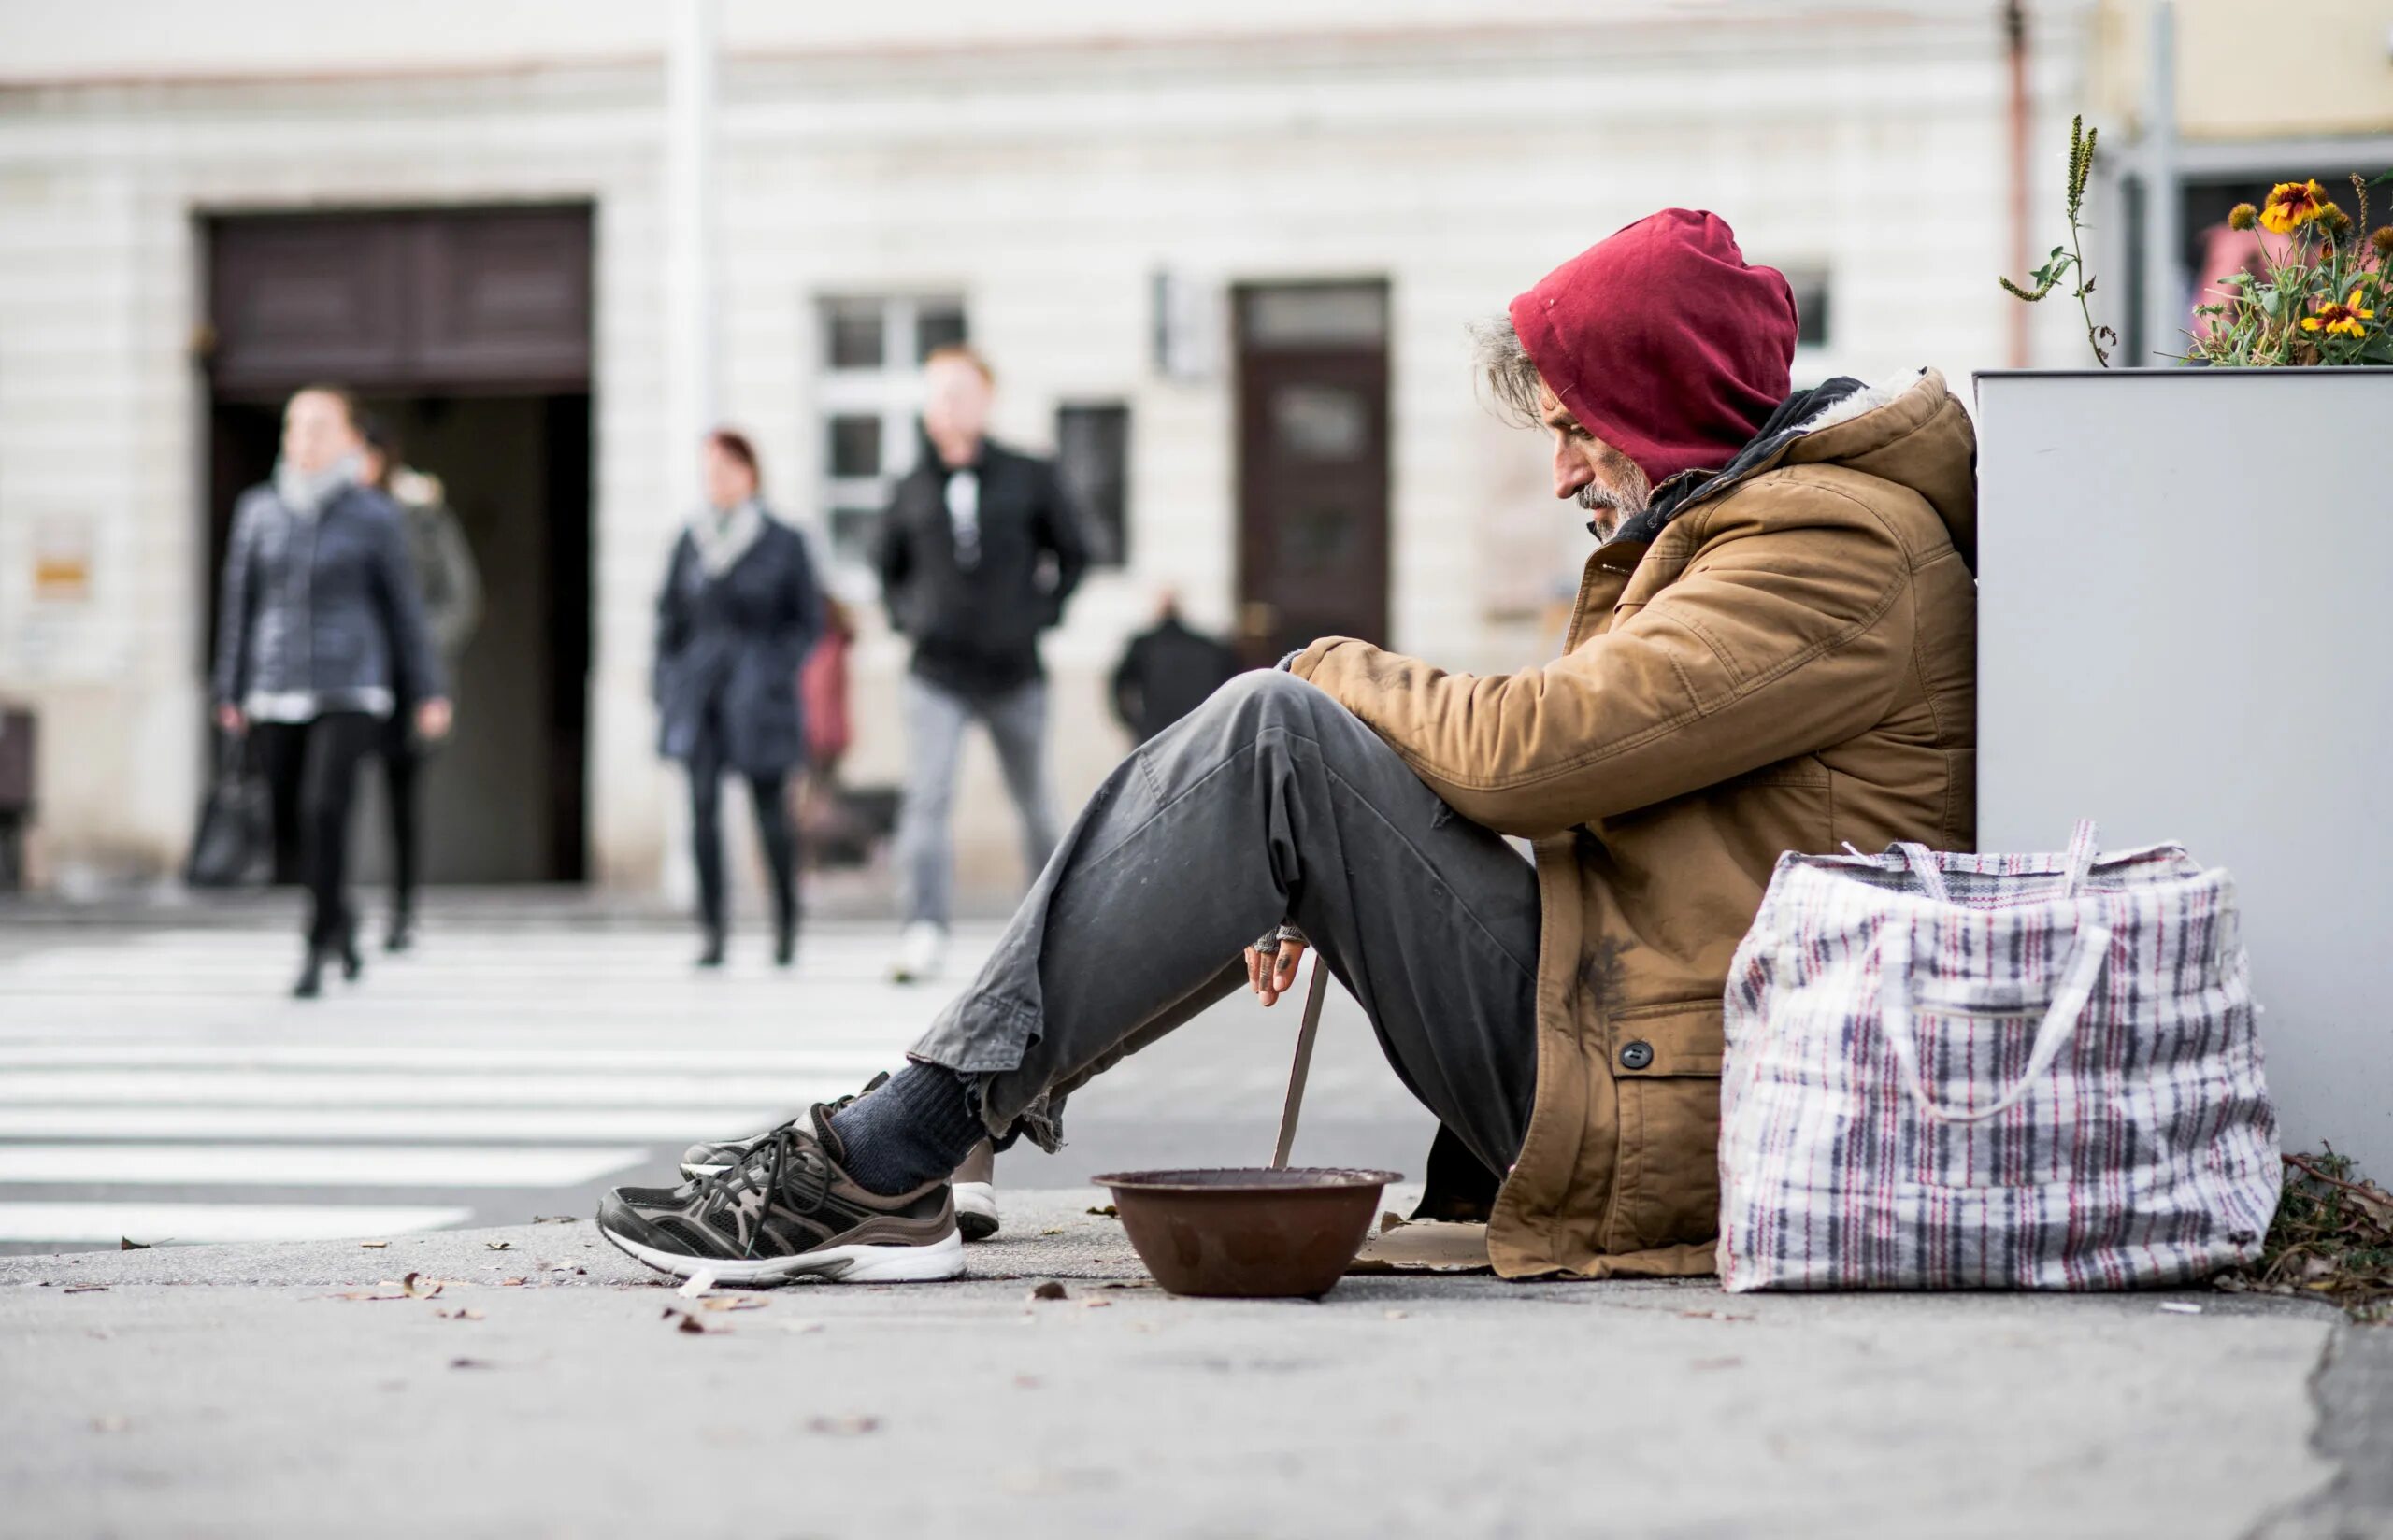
(2351, 1391)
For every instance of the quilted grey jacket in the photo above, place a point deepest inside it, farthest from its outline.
(324, 607)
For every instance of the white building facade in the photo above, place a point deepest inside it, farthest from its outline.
(1114, 207)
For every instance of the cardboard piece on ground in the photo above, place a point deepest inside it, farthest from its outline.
(1429, 1246)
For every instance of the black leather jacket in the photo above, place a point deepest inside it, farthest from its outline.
(975, 616)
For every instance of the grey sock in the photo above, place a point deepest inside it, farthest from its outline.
(917, 1128)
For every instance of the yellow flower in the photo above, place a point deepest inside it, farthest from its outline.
(2292, 204)
(2345, 320)
(2242, 216)
(2382, 240)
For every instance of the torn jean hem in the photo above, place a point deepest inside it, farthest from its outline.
(980, 1037)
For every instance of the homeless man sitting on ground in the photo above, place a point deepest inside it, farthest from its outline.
(1771, 651)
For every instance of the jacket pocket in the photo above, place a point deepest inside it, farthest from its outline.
(1666, 1066)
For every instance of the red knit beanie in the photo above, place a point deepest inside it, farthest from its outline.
(1663, 342)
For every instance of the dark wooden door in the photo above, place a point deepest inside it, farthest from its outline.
(468, 330)
(424, 301)
(1313, 418)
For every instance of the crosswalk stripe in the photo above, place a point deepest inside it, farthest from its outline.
(860, 1062)
(312, 1166)
(548, 1059)
(158, 1223)
(270, 1088)
(674, 1125)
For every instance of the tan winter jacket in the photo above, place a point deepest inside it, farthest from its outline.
(1789, 664)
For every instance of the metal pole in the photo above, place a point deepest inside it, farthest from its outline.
(690, 362)
(2164, 296)
(689, 239)
(2014, 26)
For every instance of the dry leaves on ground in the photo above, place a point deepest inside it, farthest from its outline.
(692, 1323)
(2332, 1238)
(463, 1312)
(843, 1427)
(1050, 1289)
(1106, 1212)
(126, 1243)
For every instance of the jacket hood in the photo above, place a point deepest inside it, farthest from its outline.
(1663, 341)
(1911, 432)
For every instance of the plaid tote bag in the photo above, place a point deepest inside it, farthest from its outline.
(1993, 1072)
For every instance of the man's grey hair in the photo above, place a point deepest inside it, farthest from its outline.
(1511, 379)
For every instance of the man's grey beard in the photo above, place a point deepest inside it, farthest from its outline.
(1602, 501)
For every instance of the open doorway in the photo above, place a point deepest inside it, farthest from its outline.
(467, 331)
(502, 802)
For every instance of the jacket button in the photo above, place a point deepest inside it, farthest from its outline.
(1636, 1055)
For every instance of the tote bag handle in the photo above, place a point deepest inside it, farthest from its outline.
(2076, 864)
(2077, 976)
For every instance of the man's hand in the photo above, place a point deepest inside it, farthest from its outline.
(230, 719)
(1271, 966)
(431, 719)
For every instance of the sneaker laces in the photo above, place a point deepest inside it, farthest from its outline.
(785, 1152)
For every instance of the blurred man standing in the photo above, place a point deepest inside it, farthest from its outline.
(977, 553)
(1168, 671)
(451, 589)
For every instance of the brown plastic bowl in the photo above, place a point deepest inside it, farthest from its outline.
(1248, 1233)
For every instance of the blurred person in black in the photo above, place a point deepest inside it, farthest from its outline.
(739, 611)
(321, 637)
(451, 587)
(1166, 672)
(977, 553)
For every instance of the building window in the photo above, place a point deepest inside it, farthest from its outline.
(1810, 286)
(1092, 457)
(869, 399)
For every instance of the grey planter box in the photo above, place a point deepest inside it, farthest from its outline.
(2185, 630)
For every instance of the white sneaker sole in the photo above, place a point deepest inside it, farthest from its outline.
(941, 1258)
(976, 1209)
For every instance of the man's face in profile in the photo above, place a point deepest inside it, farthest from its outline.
(1597, 476)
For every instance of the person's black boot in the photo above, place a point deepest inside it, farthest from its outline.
(311, 975)
(402, 933)
(352, 961)
(785, 938)
(711, 955)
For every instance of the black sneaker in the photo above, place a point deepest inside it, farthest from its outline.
(788, 1210)
(702, 1160)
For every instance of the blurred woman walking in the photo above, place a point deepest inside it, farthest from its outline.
(321, 636)
(739, 611)
(451, 587)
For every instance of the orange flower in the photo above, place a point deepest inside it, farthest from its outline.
(2292, 204)
(2345, 320)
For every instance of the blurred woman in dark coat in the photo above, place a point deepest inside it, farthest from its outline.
(323, 639)
(739, 610)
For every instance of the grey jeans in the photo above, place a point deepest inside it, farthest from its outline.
(1269, 802)
(935, 719)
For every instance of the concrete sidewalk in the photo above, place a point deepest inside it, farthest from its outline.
(236, 1391)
